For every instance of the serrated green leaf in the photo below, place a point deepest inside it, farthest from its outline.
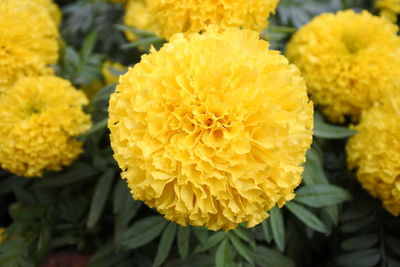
(277, 227)
(307, 217)
(183, 241)
(328, 131)
(99, 198)
(223, 256)
(143, 231)
(245, 235)
(242, 249)
(88, 44)
(213, 240)
(360, 242)
(164, 247)
(321, 195)
(266, 225)
(272, 258)
(367, 258)
(201, 233)
(145, 41)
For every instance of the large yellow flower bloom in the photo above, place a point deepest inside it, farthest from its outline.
(137, 16)
(28, 41)
(188, 16)
(52, 8)
(40, 118)
(388, 8)
(212, 129)
(375, 152)
(347, 66)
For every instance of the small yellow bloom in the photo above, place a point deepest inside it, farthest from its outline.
(28, 41)
(40, 120)
(168, 17)
(388, 8)
(212, 129)
(136, 16)
(347, 66)
(375, 152)
(110, 71)
(2, 234)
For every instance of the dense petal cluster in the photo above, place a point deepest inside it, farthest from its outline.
(388, 8)
(40, 118)
(53, 10)
(375, 152)
(137, 16)
(191, 16)
(28, 41)
(212, 129)
(347, 66)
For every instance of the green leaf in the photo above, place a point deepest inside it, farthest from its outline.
(328, 131)
(321, 195)
(145, 41)
(211, 241)
(99, 198)
(307, 217)
(246, 235)
(98, 126)
(360, 242)
(9, 184)
(242, 249)
(165, 244)
(357, 225)
(133, 30)
(88, 44)
(266, 225)
(272, 258)
(143, 231)
(183, 241)
(223, 257)
(369, 257)
(201, 233)
(277, 227)
(313, 170)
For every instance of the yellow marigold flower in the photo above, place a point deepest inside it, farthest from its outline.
(40, 120)
(53, 9)
(374, 152)
(110, 71)
(212, 142)
(189, 16)
(389, 9)
(28, 41)
(2, 234)
(347, 66)
(137, 16)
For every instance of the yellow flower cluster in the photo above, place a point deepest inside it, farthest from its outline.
(375, 152)
(39, 120)
(347, 66)
(52, 9)
(167, 17)
(212, 142)
(28, 41)
(388, 8)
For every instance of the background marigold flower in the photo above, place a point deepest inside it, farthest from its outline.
(53, 9)
(212, 129)
(111, 71)
(137, 16)
(189, 16)
(388, 8)
(2, 234)
(375, 152)
(347, 66)
(28, 41)
(39, 120)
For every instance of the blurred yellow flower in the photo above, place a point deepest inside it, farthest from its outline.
(212, 142)
(375, 152)
(111, 70)
(136, 16)
(347, 66)
(2, 234)
(53, 10)
(28, 41)
(40, 120)
(388, 8)
(168, 17)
